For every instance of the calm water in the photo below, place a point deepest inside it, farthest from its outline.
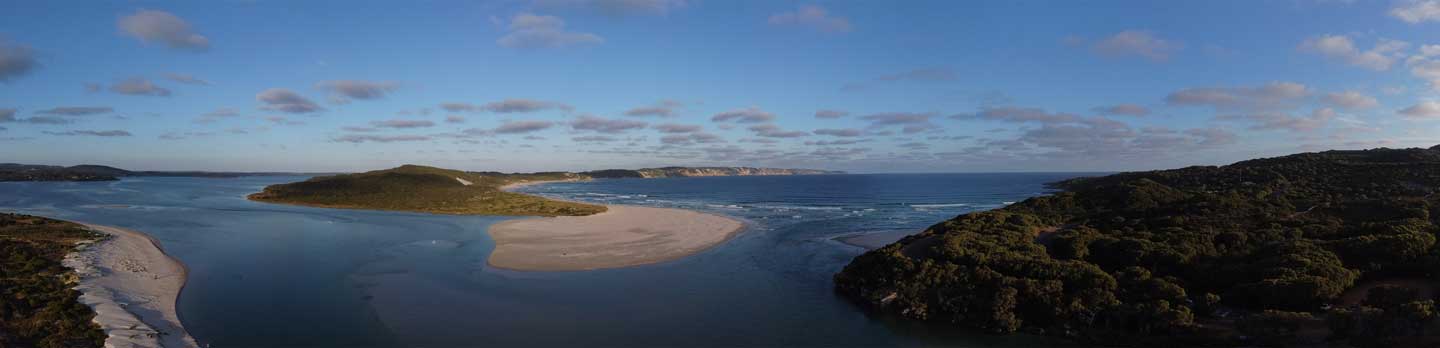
(270, 275)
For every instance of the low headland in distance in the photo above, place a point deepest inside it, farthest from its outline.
(1334, 248)
(64, 284)
(92, 172)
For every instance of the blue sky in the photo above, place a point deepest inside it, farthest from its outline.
(917, 86)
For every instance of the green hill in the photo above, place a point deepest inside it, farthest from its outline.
(425, 189)
(1334, 246)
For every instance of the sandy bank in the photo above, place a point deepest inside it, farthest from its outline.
(621, 236)
(132, 285)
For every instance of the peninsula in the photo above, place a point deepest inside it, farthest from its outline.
(1336, 246)
(64, 284)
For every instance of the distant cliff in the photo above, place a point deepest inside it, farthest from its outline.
(670, 172)
(91, 172)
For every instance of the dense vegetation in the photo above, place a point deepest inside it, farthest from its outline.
(426, 189)
(1337, 246)
(38, 308)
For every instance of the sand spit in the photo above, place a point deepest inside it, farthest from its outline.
(132, 285)
(622, 236)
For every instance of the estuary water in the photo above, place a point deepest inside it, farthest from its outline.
(265, 275)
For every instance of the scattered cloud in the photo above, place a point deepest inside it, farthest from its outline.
(1013, 114)
(1271, 96)
(1351, 100)
(402, 124)
(76, 110)
(15, 60)
(186, 79)
(7, 115)
(1123, 110)
(139, 86)
(108, 133)
(1137, 43)
(519, 106)
(594, 138)
(619, 7)
(1416, 11)
(284, 100)
(674, 128)
(847, 132)
(1426, 110)
(812, 17)
(283, 121)
(691, 138)
(1316, 120)
(342, 91)
(746, 115)
(664, 108)
(363, 138)
(603, 125)
(529, 31)
(521, 127)
(917, 75)
(162, 27)
(1379, 58)
(830, 114)
(909, 122)
(216, 115)
(773, 131)
(454, 119)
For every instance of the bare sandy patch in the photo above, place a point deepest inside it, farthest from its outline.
(132, 285)
(622, 236)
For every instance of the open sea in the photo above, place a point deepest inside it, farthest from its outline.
(265, 275)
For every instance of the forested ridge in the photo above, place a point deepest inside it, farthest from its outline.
(1336, 247)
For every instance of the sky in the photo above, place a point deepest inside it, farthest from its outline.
(861, 86)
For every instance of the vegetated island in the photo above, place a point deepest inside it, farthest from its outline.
(1335, 247)
(575, 236)
(64, 284)
(91, 172)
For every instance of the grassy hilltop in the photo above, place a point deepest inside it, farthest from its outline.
(425, 189)
(1336, 246)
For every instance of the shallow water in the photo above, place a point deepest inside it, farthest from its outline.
(273, 275)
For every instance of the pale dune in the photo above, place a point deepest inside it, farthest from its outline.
(132, 285)
(622, 236)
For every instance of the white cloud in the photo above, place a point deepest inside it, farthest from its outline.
(747, 115)
(15, 60)
(813, 17)
(1428, 109)
(1136, 42)
(528, 31)
(1351, 100)
(1379, 58)
(163, 27)
(344, 90)
(1416, 11)
(284, 100)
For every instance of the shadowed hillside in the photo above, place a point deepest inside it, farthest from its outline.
(425, 189)
(1336, 246)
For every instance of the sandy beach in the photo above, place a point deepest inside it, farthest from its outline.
(132, 285)
(621, 236)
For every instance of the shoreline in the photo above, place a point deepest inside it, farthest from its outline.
(622, 236)
(133, 287)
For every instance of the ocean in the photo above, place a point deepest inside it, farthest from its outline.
(265, 275)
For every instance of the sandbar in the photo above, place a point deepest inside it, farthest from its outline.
(622, 236)
(132, 285)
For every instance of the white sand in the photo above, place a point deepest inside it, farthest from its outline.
(621, 236)
(132, 285)
(464, 182)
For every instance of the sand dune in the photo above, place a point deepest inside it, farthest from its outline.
(132, 285)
